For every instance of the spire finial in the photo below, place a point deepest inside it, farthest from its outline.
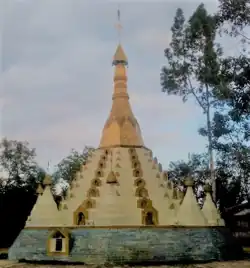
(119, 57)
(118, 24)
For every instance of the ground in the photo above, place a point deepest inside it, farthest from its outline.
(236, 264)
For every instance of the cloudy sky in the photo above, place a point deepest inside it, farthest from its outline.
(57, 75)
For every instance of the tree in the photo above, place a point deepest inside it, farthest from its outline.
(229, 190)
(237, 16)
(18, 163)
(69, 165)
(231, 141)
(196, 167)
(231, 122)
(233, 19)
(17, 195)
(193, 65)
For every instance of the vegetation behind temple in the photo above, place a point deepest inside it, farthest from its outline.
(199, 67)
(196, 67)
(18, 189)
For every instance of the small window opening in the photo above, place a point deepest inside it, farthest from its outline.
(59, 244)
(93, 193)
(88, 204)
(81, 219)
(58, 241)
(139, 182)
(149, 219)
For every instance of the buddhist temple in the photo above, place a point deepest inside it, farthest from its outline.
(121, 206)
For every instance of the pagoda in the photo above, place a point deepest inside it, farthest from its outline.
(121, 207)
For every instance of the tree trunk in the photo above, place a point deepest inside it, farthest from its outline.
(210, 147)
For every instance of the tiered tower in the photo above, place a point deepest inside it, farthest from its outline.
(121, 182)
(121, 207)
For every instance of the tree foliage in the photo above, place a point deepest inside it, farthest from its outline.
(198, 67)
(193, 65)
(237, 16)
(20, 174)
(18, 164)
(228, 191)
(196, 167)
(69, 165)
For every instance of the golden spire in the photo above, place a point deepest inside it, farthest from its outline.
(121, 128)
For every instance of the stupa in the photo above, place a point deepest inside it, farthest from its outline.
(121, 207)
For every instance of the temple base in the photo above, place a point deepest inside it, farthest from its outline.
(132, 245)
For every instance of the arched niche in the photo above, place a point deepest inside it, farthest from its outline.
(102, 164)
(165, 175)
(58, 242)
(139, 182)
(104, 157)
(133, 157)
(99, 173)
(132, 151)
(172, 206)
(150, 216)
(143, 203)
(80, 216)
(141, 192)
(137, 172)
(136, 164)
(96, 182)
(106, 152)
(89, 203)
(93, 192)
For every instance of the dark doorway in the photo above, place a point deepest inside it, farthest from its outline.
(59, 241)
(149, 219)
(81, 219)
